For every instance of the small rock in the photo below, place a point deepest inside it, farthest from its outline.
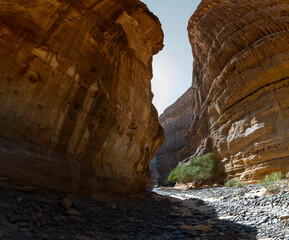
(22, 224)
(192, 233)
(19, 199)
(264, 219)
(66, 203)
(113, 206)
(38, 224)
(34, 218)
(81, 237)
(43, 222)
(201, 227)
(175, 215)
(56, 218)
(181, 187)
(284, 217)
(73, 212)
(75, 219)
(17, 218)
(13, 228)
(44, 236)
(89, 233)
(37, 209)
(39, 215)
(27, 234)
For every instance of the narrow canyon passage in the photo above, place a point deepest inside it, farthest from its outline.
(237, 105)
(78, 127)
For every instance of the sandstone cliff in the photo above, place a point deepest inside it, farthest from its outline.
(241, 85)
(175, 120)
(75, 94)
(153, 173)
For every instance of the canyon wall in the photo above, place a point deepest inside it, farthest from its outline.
(241, 86)
(75, 95)
(175, 120)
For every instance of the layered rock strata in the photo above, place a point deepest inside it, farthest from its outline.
(75, 94)
(241, 85)
(175, 120)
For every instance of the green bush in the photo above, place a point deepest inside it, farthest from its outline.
(197, 168)
(234, 183)
(272, 182)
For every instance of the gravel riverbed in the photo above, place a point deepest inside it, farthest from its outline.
(206, 214)
(248, 206)
(36, 217)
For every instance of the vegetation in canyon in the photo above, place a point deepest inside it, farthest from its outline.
(197, 168)
(234, 183)
(272, 182)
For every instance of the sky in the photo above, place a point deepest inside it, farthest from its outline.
(172, 67)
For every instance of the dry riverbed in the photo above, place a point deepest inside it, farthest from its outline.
(249, 206)
(27, 216)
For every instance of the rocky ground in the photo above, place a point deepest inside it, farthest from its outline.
(33, 217)
(249, 207)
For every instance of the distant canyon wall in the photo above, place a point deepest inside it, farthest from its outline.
(175, 120)
(240, 86)
(75, 95)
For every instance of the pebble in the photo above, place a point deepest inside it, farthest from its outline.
(39, 215)
(75, 219)
(66, 203)
(73, 212)
(17, 218)
(284, 217)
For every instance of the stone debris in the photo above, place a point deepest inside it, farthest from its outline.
(154, 217)
(249, 206)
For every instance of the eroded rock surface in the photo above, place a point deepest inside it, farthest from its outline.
(75, 94)
(241, 85)
(175, 120)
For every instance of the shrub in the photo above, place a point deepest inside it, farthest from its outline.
(272, 182)
(197, 168)
(234, 183)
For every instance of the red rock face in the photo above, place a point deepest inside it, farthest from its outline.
(241, 85)
(75, 94)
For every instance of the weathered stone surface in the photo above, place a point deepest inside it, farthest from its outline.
(153, 172)
(241, 85)
(175, 120)
(75, 94)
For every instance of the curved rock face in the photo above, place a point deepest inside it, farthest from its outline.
(75, 94)
(241, 85)
(175, 120)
